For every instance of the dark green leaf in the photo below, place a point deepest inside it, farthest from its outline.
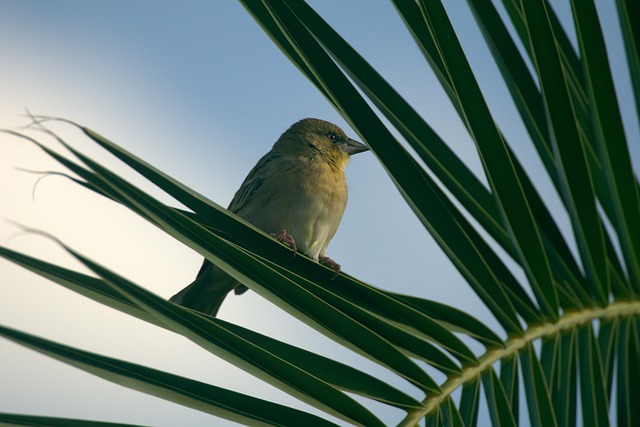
(573, 73)
(438, 158)
(434, 419)
(560, 257)
(564, 391)
(248, 356)
(577, 186)
(503, 179)
(538, 396)
(558, 360)
(39, 421)
(342, 376)
(511, 382)
(516, 75)
(629, 16)
(454, 319)
(609, 135)
(469, 402)
(595, 404)
(528, 100)
(497, 400)
(194, 394)
(628, 384)
(607, 341)
(450, 415)
(568, 55)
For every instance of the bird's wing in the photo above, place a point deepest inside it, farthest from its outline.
(251, 183)
(248, 188)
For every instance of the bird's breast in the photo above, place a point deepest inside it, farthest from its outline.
(307, 199)
(318, 210)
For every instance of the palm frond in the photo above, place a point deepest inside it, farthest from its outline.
(569, 335)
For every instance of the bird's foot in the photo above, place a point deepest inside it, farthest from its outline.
(325, 260)
(287, 239)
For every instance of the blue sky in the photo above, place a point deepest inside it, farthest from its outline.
(197, 89)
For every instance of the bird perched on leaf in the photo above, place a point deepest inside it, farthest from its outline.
(297, 192)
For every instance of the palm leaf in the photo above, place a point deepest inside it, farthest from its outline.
(36, 421)
(207, 398)
(575, 339)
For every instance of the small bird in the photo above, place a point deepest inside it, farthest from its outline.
(297, 192)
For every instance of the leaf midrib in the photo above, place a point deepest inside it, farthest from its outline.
(566, 321)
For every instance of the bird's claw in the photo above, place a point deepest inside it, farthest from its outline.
(287, 239)
(325, 260)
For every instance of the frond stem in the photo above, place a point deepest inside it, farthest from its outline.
(513, 345)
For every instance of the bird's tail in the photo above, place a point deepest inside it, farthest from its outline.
(207, 292)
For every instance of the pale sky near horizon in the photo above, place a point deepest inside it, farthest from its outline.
(198, 90)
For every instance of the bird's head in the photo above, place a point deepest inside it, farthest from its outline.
(315, 137)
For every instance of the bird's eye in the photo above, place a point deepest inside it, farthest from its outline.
(331, 136)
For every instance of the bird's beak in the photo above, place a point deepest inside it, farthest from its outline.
(354, 147)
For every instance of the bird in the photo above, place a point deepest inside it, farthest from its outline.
(297, 193)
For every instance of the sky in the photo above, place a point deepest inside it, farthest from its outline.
(198, 90)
